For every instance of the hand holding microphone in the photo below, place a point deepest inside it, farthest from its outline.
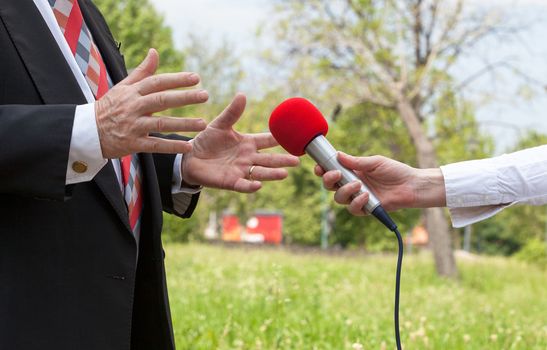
(300, 128)
(397, 184)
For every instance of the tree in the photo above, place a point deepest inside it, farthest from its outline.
(218, 66)
(137, 26)
(395, 54)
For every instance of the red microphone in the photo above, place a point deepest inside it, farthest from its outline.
(300, 128)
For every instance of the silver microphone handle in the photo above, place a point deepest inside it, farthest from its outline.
(325, 155)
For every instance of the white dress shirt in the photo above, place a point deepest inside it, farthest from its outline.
(479, 189)
(85, 146)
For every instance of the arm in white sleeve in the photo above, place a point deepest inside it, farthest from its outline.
(85, 157)
(479, 189)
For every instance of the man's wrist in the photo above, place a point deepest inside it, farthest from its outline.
(184, 181)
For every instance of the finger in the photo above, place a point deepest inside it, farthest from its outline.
(231, 114)
(167, 81)
(268, 174)
(275, 160)
(357, 204)
(345, 193)
(264, 140)
(147, 68)
(318, 170)
(171, 124)
(161, 101)
(247, 186)
(152, 144)
(364, 164)
(331, 178)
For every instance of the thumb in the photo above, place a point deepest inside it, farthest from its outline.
(364, 164)
(231, 114)
(147, 68)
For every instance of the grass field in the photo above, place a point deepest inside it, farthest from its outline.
(245, 298)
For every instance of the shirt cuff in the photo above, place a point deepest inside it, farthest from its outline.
(85, 158)
(177, 179)
(462, 217)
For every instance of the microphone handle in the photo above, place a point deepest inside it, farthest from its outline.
(324, 154)
(321, 150)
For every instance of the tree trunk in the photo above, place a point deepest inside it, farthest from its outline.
(435, 221)
(440, 242)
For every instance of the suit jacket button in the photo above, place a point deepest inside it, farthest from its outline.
(79, 167)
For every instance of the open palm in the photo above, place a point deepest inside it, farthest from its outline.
(222, 157)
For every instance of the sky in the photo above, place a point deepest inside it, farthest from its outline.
(505, 118)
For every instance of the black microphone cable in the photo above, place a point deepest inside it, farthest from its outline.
(384, 218)
(398, 287)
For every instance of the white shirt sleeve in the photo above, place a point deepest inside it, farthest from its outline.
(479, 189)
(85, 157)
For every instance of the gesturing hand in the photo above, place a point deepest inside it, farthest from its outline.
(222, 158)
(396, 184)
(123, 113)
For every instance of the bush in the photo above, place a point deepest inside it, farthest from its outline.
(180, 230)
(534, 252)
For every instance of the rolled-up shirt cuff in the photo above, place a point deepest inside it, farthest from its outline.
(85, 158)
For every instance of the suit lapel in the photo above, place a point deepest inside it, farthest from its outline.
(39, 51)
(53, 78)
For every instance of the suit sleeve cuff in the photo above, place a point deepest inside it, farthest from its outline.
(85, 157)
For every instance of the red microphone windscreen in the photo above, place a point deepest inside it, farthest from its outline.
(295, 123)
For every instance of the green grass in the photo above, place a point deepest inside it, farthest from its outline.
(244, 298)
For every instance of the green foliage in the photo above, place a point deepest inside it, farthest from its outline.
(493, 238)
(457, 134)
(229, 298)
(218, 66)
(531, 139)
(303, 211)
(138, 26)
(534, 252)
(183, 230)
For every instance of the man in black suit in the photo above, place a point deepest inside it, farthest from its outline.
(73, 275)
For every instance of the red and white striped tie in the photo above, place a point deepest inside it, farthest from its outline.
(79, 39)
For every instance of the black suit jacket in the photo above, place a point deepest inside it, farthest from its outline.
(69, 276)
